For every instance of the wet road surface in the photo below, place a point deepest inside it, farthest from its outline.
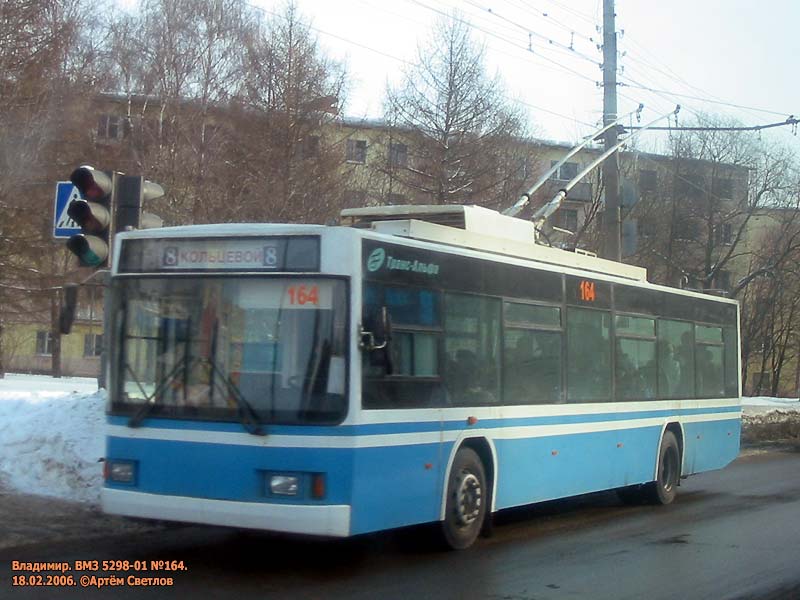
(731, 534)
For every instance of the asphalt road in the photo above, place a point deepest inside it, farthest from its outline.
(731, 534)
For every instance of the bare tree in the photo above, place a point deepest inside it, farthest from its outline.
(290, 162)
(45, 74)
(695, 224)
(177, 64)
(458, 126)
(770, 301)
(224, 107)
(725, 217)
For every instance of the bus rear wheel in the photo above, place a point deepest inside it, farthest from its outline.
(664, 489)
(465, 508)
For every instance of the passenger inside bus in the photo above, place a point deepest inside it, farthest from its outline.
(464, 380)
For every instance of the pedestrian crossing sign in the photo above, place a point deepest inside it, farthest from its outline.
(63, 225)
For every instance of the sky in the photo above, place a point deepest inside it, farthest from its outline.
(720, 52)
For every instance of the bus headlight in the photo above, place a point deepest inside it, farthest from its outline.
(284, 485)
(120, 471)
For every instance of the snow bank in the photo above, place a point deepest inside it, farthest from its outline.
(758, 405)
(51, 436)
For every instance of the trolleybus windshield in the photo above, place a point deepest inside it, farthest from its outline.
(269, 350)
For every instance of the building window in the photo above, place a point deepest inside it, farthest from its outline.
(762, 380)
(398, 155)
(567, 219)
(723, 187)
(566, 172)
(723, 280)
(357, 151)
(44, 343)
(724, 234)
(112, 127)
(647, 227)
(355, 198)
(395, 199)
(521, 170)
(691, 185)
(685, 228)
(92, 344)
(308, 147)
(648, 180)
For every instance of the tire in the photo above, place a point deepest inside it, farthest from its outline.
(668, 474)
(465, 508)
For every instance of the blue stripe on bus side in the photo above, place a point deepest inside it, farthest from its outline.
(421, 427)
(392, 486)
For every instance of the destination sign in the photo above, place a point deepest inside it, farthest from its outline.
(221, 254)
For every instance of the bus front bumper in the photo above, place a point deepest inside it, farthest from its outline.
(324, 520)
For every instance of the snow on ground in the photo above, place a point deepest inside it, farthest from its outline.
(762, 404)
(768, 420)
(52, 433)
(51, 436)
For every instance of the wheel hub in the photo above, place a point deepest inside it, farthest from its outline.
(469, 497)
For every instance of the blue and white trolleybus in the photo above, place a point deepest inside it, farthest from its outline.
(414, 365)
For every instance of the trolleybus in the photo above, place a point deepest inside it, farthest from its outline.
(413, 365)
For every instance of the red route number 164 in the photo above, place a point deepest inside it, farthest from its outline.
(587, 291)
(301, 295)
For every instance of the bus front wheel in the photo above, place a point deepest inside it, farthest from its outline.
(465, 509)
(665, 487)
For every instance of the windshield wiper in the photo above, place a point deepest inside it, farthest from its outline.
(184, 365)
(150, 401)
(317, 362)
(247, 414)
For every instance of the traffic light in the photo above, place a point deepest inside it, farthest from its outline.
(130, 193)
(110, 202)
(92, 213)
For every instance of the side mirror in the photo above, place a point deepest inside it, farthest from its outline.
(376, 337)
(376, 332)
(69, 300)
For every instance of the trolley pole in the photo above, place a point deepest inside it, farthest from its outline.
(611, 218)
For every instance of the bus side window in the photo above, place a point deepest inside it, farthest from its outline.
(415, 380)
(731, 362)
(635, 370)
(472, 349)
(532, 354)
(588, 355)
(675, 359)
(709, 361)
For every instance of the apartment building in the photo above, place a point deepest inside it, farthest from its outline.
(675, 212)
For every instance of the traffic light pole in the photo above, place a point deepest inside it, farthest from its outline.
(611, 218)
(108, 319)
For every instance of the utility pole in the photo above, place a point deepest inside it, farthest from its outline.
(611, 218)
